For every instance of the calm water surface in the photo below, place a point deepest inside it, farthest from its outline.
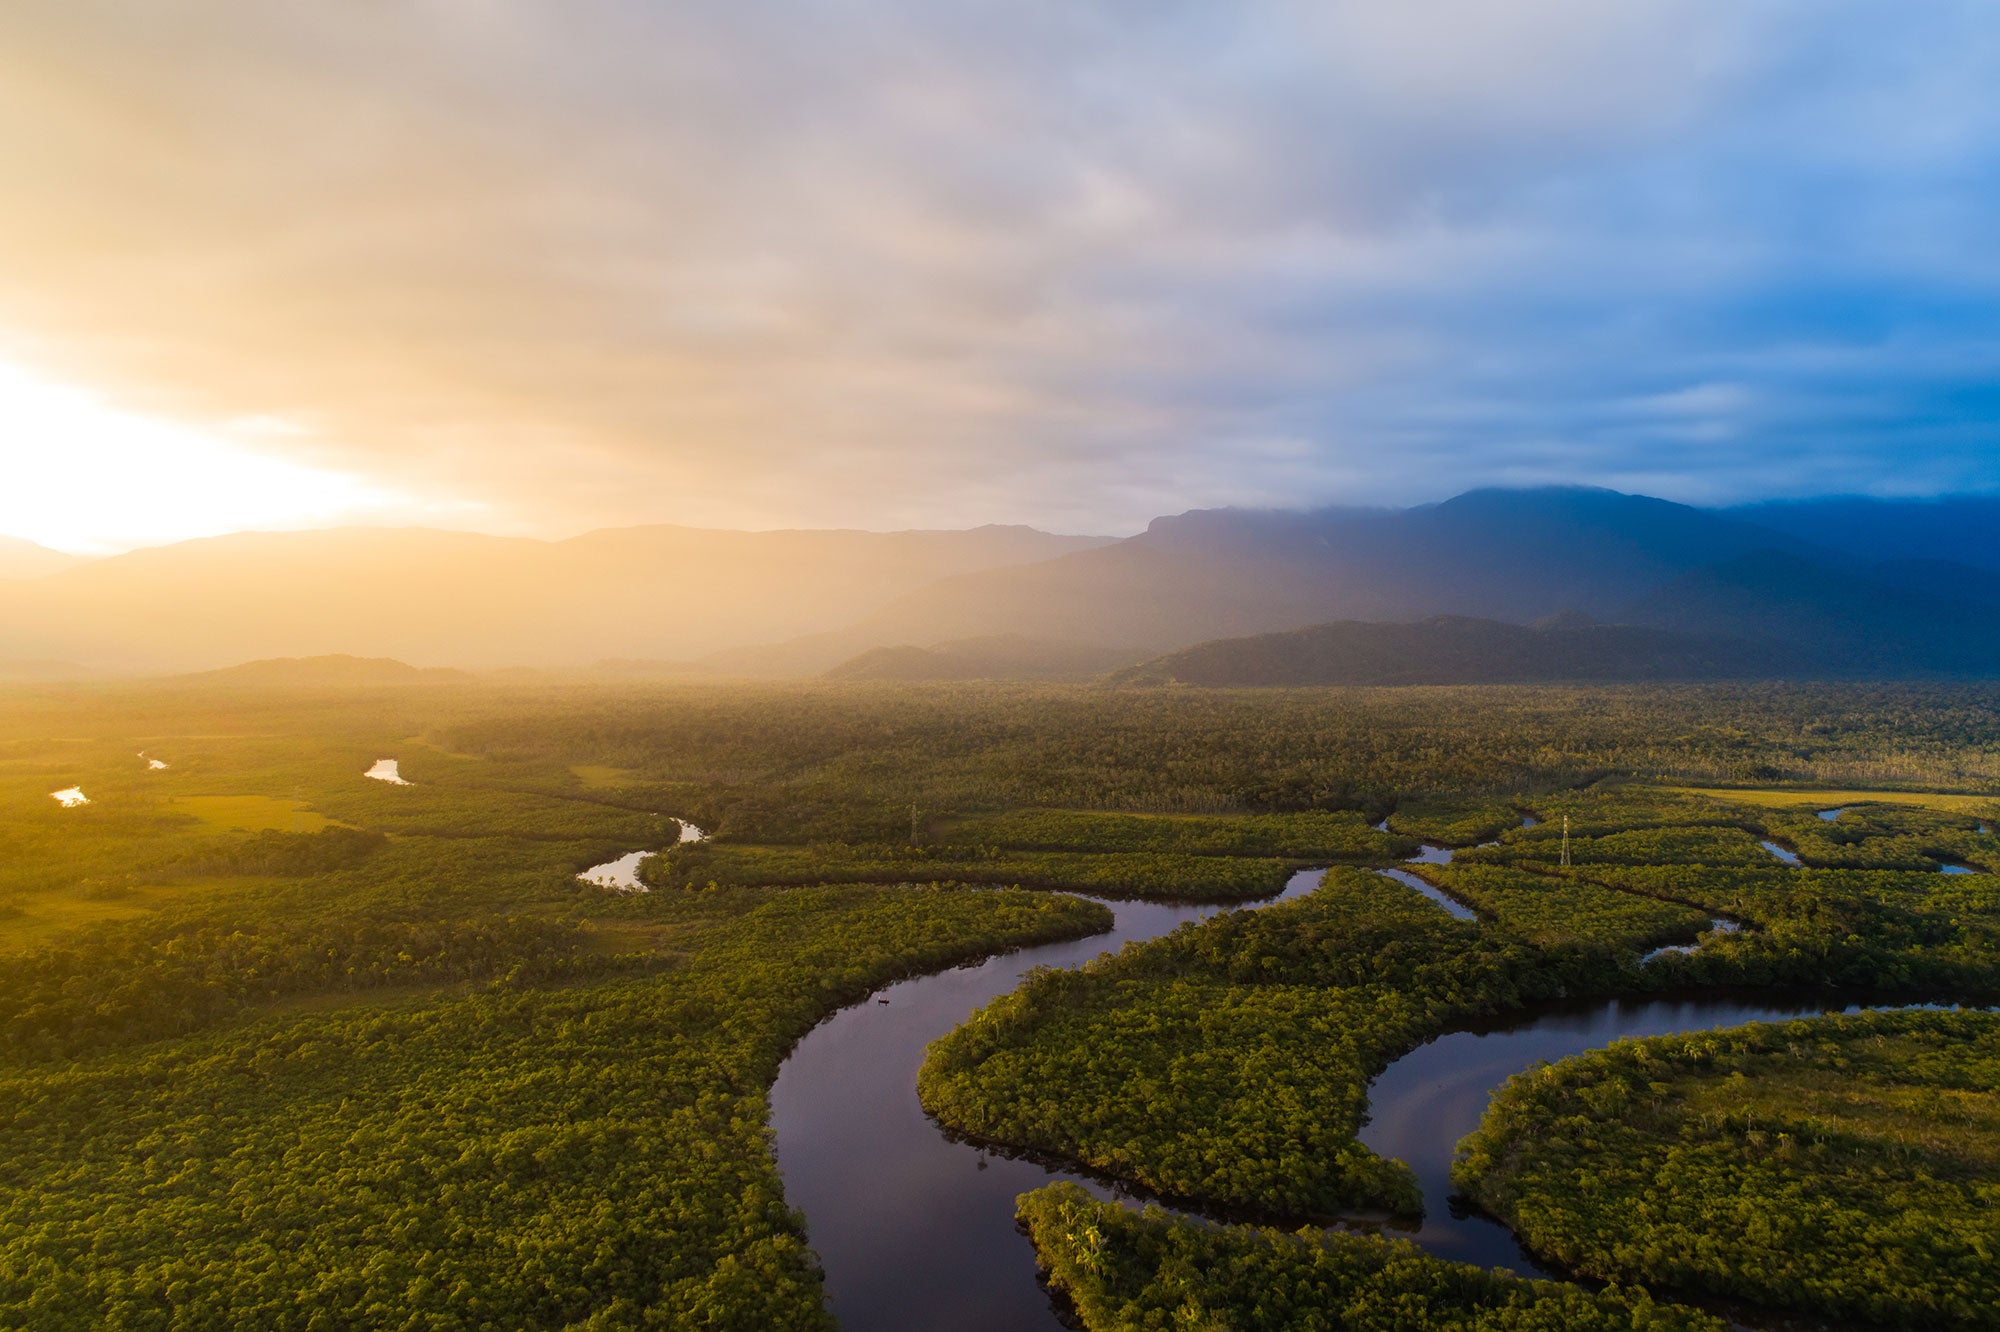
(1789, 857)
(915, 1230)
(622, 874)
(1433, 1096)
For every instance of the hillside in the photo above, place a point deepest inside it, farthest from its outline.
(1957, 529)
(337, 669)
(1897, 619)
(1506, 555)
(1449, 649)
(1837, 587)
(25, 559)
(1001, 657)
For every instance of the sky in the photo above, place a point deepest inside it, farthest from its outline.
(931, 263)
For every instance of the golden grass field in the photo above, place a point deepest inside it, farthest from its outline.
(1791, 798)
(251, 813)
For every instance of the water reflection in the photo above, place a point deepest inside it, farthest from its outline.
(915, 1230)
(1458, 910)
(622, 875)
(1789, 857)
(1425, 1102)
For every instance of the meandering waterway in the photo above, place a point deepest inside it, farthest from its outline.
(915, 1230)
(1423, 1103)
(622, 874)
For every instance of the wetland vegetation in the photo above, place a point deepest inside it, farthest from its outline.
(278, 1040)
(1842, 1166)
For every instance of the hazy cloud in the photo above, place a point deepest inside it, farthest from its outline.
(884, 263)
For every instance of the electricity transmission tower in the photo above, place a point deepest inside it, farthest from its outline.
(1565, 859)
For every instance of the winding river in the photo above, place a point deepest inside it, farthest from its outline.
(915, 1230)
(1433, 1096)
(622, 875)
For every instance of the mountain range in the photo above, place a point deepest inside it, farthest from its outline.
(1624, 587)
(25, 559)
(470, 600)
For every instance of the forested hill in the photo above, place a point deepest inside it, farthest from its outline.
(1905, 618)
(1449, 649)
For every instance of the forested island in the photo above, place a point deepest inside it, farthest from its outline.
(285, 1044)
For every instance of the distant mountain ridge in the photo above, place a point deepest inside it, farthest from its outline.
(1896, 619)
(1453, 649)
(1837, 587)
(336, 669)
(473, 600)
(25, 559)
(1001, 657)
(1954, 529)
(1504, 555)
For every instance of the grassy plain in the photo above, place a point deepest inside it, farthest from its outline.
(1953, 802)
(253, 813)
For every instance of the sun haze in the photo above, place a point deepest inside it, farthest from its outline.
(890, 264)
(88, 478)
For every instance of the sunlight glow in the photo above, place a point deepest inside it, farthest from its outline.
(82, 476)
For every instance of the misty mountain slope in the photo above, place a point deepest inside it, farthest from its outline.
(25, 559)
(1510, 555)
(1959, 529)
(460, 598)
(1451, 649)
(1922, 618)
(1963, 585)
(1000, 657)
(337, 670)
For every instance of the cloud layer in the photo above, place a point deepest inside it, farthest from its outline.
(896, 262)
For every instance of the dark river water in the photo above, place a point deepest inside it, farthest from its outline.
(916, 1231)
(1426, 1101)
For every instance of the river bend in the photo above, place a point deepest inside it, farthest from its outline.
(916, 1230)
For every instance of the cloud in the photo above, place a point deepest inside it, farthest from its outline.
(882, 262)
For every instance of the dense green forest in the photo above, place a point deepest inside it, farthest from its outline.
(1122, 1270)
(1843, 1166)
(285, 1046)
(1265, 1028)
(1228, 1062)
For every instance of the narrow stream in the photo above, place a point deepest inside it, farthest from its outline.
(622, 875)
(1788, 856)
